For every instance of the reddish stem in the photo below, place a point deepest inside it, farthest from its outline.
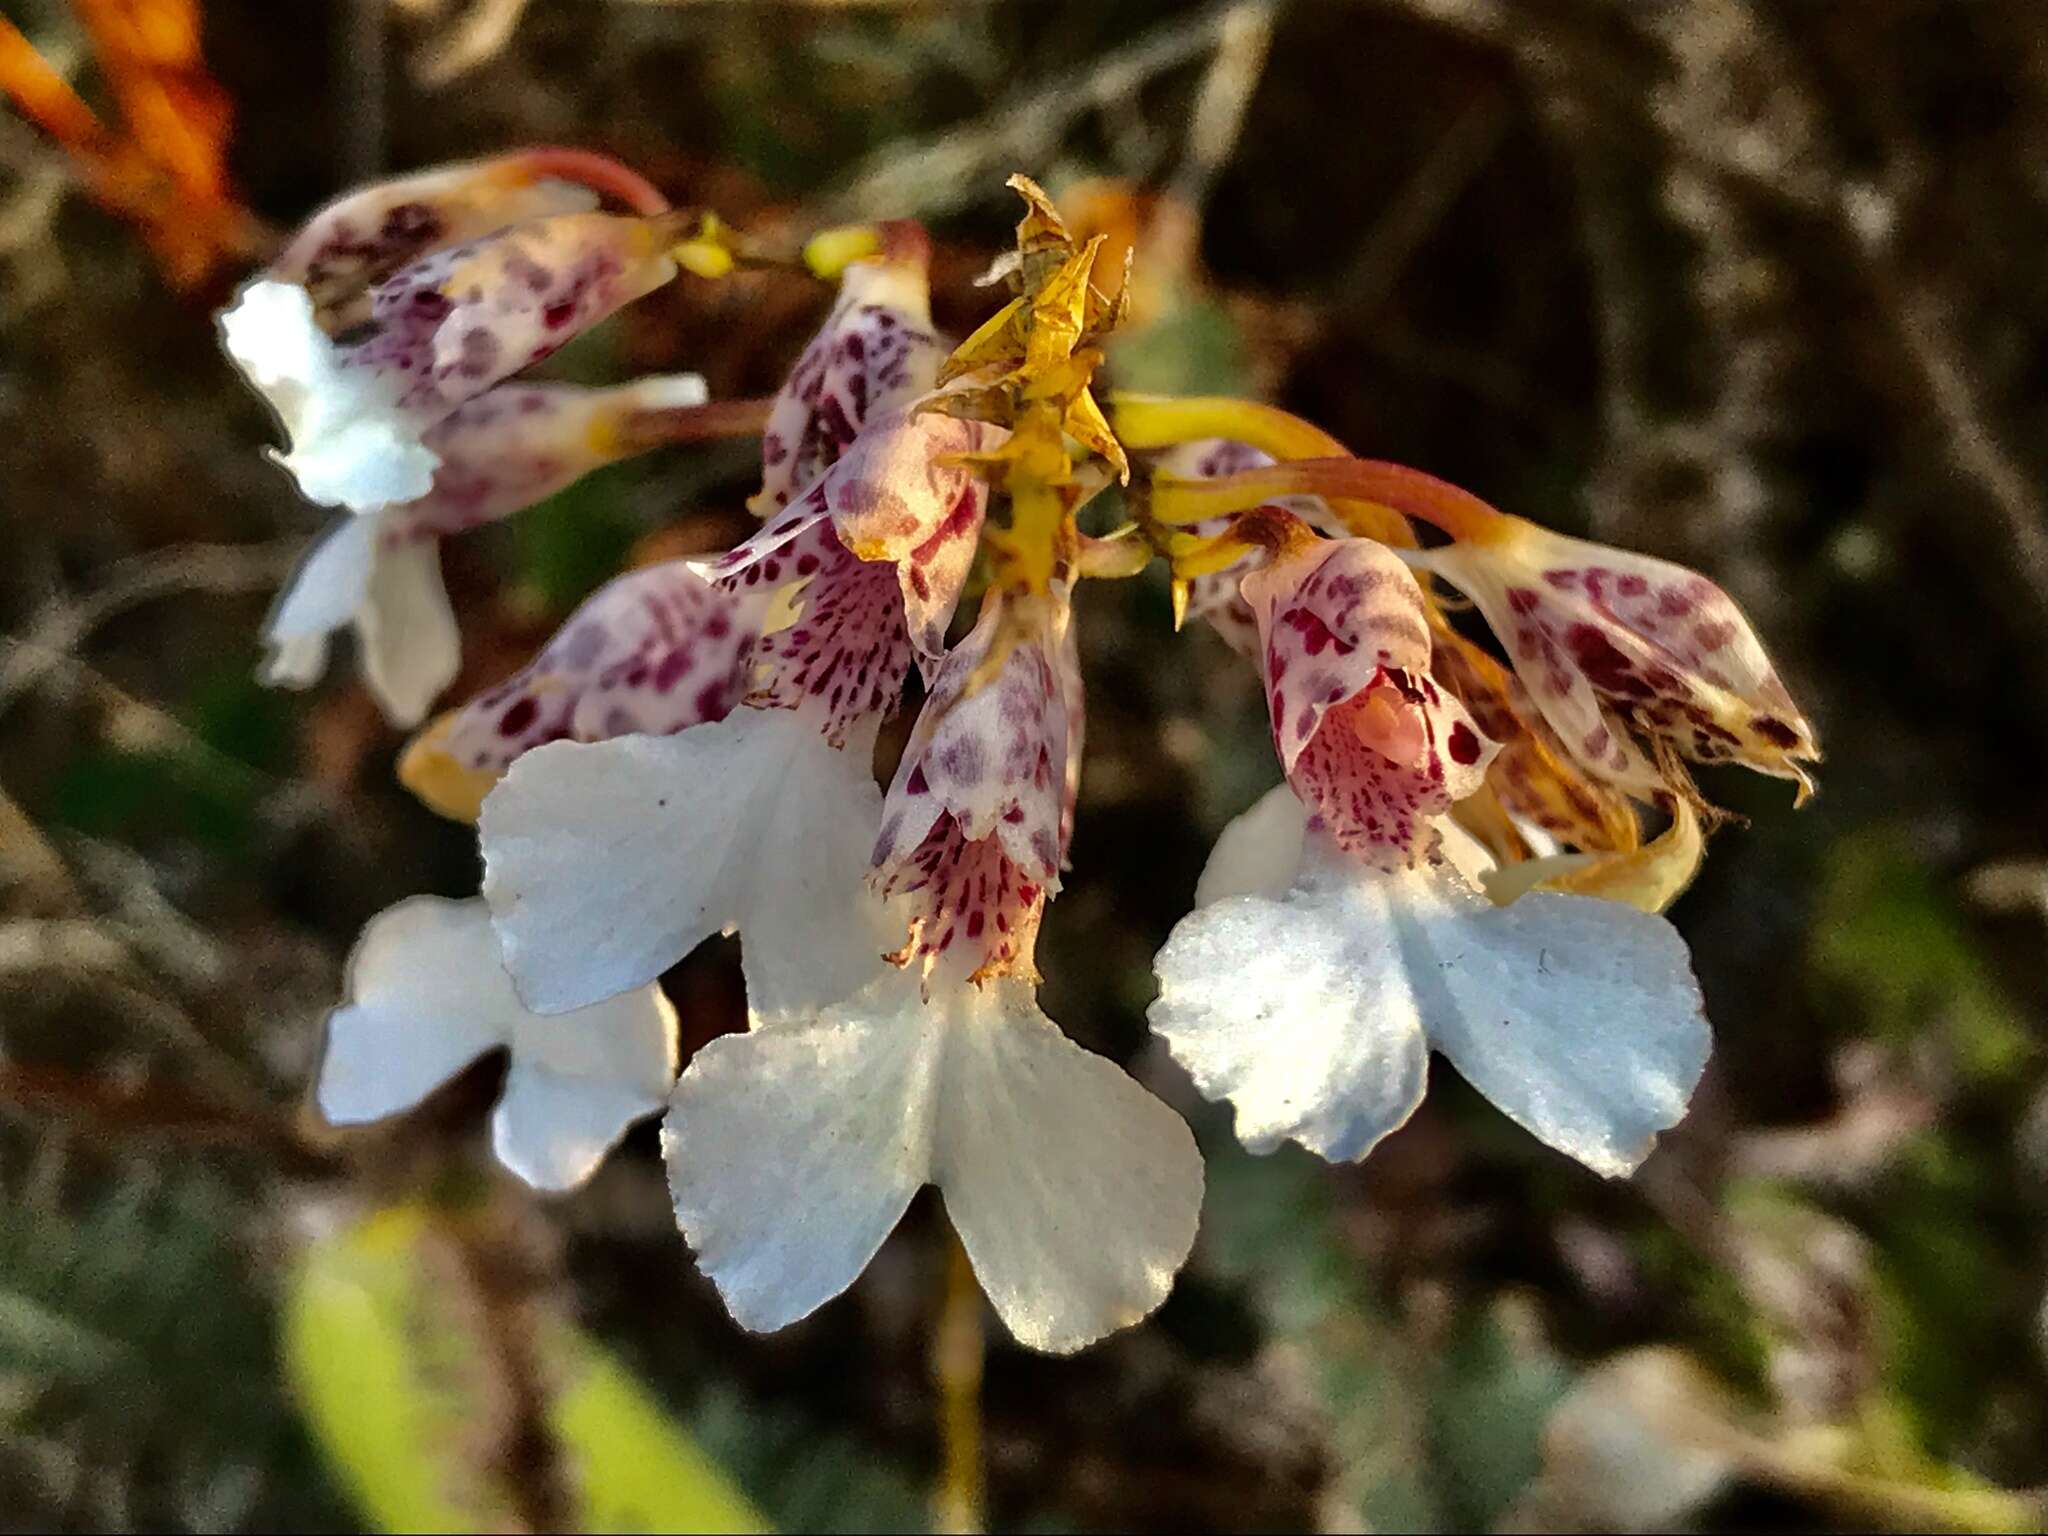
(600, 173)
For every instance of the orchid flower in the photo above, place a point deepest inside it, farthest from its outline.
(427, 995)
(759, 823)
(694, 753)
(794, 1149)
(1313, 1009)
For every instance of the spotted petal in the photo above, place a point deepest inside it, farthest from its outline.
(972, 828)
(1607, 641)
(1365, 735)
(873, 356)
(651, 653)
(357, 241)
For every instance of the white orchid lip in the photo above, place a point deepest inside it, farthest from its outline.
(426, 995)
(794, 1149)
(1313, 1011)
(605, 863)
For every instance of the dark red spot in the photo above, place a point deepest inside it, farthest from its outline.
(1464, 745)
(1605, 667)
(518, 718)
(1775, 731)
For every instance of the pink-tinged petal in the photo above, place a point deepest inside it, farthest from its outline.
(360, 239)
(653, 652)
(900, 496)
(973, 825)
(1613, 645)
(441, 331)
(1368, 740)
(519, 444)
(875, 354)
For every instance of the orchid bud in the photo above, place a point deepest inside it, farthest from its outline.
(1614, 646)
(361, 239)
(441, 331)
(875, 354)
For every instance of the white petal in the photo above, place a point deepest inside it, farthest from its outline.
(1579, 1018)
(352, 444)
(1298, 1012)
(793, 1149)
(552, 1131)
(1258, 852)
(605, 863)
(1075, 1192)
(578, 1080)
(426, 996)
(322, 593)
(411, 646)
(1464, 852)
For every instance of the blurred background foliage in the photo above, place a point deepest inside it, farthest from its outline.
(1752, 285)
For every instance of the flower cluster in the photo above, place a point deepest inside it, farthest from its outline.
(1456, 858)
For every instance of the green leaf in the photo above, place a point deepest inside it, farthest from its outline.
(1889, 939)
(394, 1383)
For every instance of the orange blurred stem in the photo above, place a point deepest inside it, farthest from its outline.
(46, 99)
